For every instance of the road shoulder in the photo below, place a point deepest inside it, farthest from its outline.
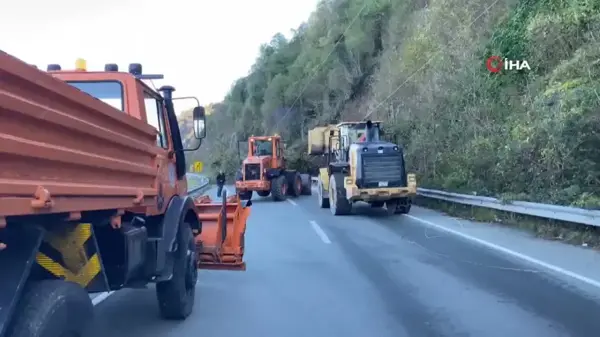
(564, 260)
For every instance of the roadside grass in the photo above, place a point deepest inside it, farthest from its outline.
(571, 233)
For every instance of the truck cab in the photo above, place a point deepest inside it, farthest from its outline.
(94, 197)
(135, 98)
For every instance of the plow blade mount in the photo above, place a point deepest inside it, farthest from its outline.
(220, 245)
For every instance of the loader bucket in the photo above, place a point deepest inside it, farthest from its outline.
(220, 245)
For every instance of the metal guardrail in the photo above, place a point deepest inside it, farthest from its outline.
(200, 186)
(563, 213)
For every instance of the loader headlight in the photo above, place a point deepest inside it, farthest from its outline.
(365, 149)
(395, 148)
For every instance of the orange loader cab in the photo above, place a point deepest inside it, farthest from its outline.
(265, 171)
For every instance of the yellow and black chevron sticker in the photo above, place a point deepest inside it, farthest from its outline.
(73, 255)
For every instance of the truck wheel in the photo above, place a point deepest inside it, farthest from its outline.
(323, 202)
(263, 193)
(306, 184)
(247, 195)
(176, 296)
(279, 188)
(45, 306)
(339, 205)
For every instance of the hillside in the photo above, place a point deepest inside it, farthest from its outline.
(419, 65)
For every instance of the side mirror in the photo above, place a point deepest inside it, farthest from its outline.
(199, 122)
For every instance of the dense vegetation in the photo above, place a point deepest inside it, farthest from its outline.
(419, 65)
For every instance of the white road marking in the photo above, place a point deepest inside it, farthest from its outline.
(320, 232)
(292, 202)
(512, 253)
(98, 299)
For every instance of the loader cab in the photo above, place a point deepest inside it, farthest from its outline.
(270, 146)
(356, 132)
(126, 92)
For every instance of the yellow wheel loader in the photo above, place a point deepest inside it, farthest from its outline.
(360, 167)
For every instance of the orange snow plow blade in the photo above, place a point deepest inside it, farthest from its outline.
(220, 245)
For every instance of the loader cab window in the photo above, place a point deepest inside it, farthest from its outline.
(263, 148)
(109, 92)
(156, 118)
(356, 132)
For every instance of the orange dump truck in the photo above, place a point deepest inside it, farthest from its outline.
(93, 198)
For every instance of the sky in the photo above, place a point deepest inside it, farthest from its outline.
(200, 46)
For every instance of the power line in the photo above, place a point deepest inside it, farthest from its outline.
(428, 61)
(321, 64)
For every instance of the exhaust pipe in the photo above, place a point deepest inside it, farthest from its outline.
(370, 133)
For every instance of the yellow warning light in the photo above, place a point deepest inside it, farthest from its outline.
(80, 65)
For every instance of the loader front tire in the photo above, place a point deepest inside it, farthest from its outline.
(176, 296)
(45, 306)
(279, 188)
(246, 195)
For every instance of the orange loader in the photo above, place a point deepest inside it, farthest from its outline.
(93, 198)
(265, 172)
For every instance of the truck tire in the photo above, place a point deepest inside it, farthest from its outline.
(45, 306)
(263, 193)
(294, 183)
(279, 188)
(323, 201)
(338, 204)
(306, 184)
(176, 296)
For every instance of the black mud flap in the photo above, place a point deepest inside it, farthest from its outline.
(22, 244)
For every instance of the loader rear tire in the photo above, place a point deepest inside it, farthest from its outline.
(404, 206)
(176, 296)
(263, 193)
(52, 308)
(294, 182)
(279, 188)
(391, 206)
(338, 204)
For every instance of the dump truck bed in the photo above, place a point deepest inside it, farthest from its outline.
(57, 140)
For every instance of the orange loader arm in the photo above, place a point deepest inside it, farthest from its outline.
(220, 245)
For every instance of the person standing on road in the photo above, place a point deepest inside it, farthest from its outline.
(220, 182)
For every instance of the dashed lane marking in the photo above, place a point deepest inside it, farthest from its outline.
(320, 232)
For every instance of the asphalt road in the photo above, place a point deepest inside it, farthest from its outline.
(369, 275)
